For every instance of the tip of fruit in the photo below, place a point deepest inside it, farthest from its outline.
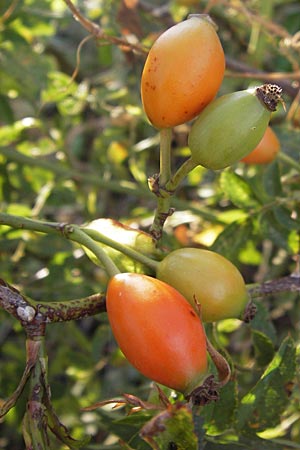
(269, 95)
(205, 17)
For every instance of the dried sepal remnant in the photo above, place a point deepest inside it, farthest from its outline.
(269, 95)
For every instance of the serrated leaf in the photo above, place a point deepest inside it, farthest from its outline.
(263, 347)
(238, 190)
(262, 406)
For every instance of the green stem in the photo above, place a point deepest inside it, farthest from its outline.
(130, 252)
(82, 238)
(180, 174)
(71, 232)
(167, 184)
(163, 210)
(34, 423)
(166, 190)
(288, 160)
(165, 156)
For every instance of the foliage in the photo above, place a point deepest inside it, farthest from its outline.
(75, 146)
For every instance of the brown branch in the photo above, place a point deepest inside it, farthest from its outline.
(32, 350)
(98, 32)
(34, 316)
(6, 15)
(289, 283)
(237, 69)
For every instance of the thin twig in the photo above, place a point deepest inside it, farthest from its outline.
(98, 33)
(6, 15)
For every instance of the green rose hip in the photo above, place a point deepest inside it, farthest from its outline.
(231, 126)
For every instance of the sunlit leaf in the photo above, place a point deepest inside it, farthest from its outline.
(233, 238)
(272, 181)
(238, 190)
(263, 348)
(262, 406)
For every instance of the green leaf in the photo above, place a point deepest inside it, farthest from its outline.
(10, 133)
(175, 427)
(127, 428)
(232, 239)
(262, 322)
(262, 406)
(273, 230)
(263, 347)
(283, 217)
(238, 190)
(272, 181)
(59, 87)
(220, 415)
(253, 443)
(6, 111)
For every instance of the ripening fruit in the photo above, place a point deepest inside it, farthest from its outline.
(157, 330)
(231, 126)
(183, 72)
(266, 150)
(206, 278)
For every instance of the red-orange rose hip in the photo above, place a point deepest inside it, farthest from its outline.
(183, 72)
(157, 330)
(266, 150)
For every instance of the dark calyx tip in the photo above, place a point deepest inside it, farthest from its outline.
(269, 95)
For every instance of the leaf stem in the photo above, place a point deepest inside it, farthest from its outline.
(180, 174)
(288, 160)
(165, 184)
(79, 236)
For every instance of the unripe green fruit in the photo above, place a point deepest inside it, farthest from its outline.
(231, 126)
(207, 279)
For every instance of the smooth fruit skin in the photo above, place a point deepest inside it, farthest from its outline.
(157, 330)
(228, 129)
(182, 73)
(266, 150)
(207, 278)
